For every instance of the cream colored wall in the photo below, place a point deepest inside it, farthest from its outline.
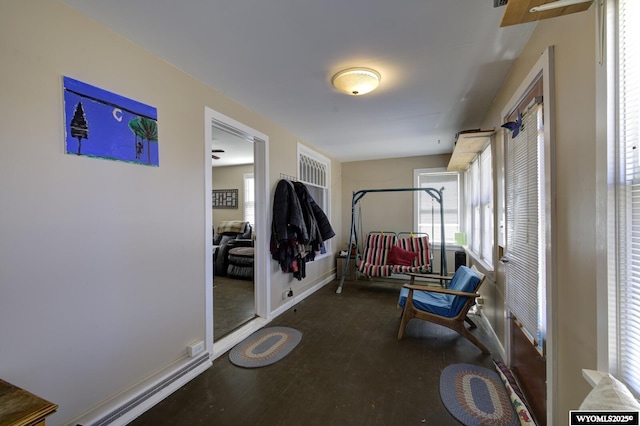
(386, 211)
(230, 177)
(575, 62)
(283, 162)
(103, 263)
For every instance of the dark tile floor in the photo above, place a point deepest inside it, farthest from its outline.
(233, 304)
(349, 369)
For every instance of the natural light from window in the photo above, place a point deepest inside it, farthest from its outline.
(479, 198)
(249, 199)
(624, 346)
(427, 210)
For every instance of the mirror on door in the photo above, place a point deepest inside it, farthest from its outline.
(233, 213)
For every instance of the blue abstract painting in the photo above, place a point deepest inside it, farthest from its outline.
(102, 124)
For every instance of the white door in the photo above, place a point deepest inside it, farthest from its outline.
(529, 222)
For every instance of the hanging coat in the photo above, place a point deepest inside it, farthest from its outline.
(326, 231)
(316, 220)
(288, 221)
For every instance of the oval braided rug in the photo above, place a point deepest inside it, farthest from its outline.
(476, 396)
(265, 346)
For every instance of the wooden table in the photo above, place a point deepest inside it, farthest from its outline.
(341, 261)
(21, 408)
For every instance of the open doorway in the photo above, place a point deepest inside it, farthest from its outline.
(227, 325)
(233, 217)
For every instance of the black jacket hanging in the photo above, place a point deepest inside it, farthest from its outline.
(298, 228)
(288, 221)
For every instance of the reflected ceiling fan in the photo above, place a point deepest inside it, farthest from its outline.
(216, 151)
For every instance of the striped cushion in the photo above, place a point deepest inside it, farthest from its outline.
(419, 245)
(375, 270)
(400, 269)
(374, 258)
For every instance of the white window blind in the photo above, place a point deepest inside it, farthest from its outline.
(249, 199)
(628, 194)
(486, 206)
(479, 198)
(524, 225)
(474, 186)
(427, 210)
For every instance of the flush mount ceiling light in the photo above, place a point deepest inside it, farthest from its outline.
(356, 81)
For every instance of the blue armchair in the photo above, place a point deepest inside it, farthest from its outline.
(445, 306)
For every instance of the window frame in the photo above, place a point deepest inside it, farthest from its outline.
(323, 184)
(610, 180)
(249, 194)
(544, 68)
(479, 195)
(435, 239)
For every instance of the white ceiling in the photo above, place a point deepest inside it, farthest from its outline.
(236, 151)
(441, 61)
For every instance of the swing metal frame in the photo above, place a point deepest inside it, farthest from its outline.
(357, 196)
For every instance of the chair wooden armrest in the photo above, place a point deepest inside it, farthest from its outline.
(442, 278)
(440, 290)
(414, 275)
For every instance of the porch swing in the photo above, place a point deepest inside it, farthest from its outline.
(388, 253)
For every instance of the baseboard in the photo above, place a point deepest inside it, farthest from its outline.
(228, 342)
(127, 406)
(487, 324)
(296, 299)
(220, 347)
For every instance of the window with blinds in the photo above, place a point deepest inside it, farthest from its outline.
(524, 191)
(473, 178)
(626, 316)
(486, 206)
(249, 199)
(427, 210)
(479, 198)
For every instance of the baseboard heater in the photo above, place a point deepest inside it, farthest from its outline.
(133, 403)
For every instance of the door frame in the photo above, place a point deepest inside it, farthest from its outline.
(262, 278)
(543, 67)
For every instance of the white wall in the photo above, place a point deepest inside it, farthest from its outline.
(102, 263)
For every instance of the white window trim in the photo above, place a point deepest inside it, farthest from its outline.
(486, 259)
(543, 67)
(245, 177)
(607, 180)
(606, 147)
(416, 205)
(308, 152)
